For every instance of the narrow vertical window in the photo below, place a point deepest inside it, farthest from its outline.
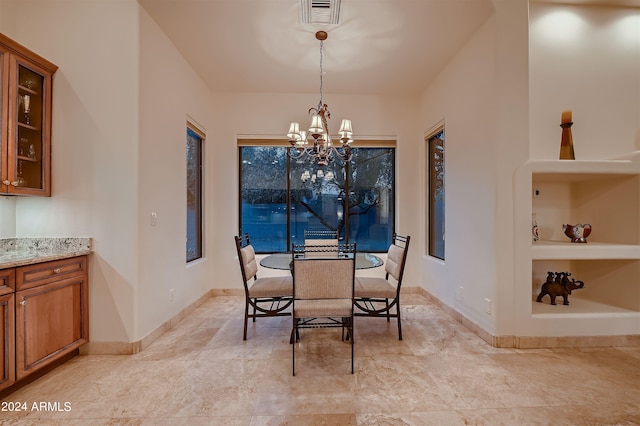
(435, 149)
(195, 140)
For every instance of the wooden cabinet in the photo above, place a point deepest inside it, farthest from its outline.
(25, 125)
(51, 302)
(7, 329)
(43, 315)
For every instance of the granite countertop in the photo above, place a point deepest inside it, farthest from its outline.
(26, 251)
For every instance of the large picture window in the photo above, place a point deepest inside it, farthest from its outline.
(195, 140)
(435, 149)
(280, 198)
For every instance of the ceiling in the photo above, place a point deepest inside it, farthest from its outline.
(378, 46)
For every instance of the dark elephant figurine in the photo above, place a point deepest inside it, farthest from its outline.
(559, 284)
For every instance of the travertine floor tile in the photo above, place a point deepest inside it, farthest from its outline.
(201, 372)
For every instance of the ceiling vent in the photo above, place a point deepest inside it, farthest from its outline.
(320, 11)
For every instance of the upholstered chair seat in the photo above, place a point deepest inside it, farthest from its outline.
(272, 287)
(375, 287)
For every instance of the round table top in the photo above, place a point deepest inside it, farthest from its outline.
(283, 261)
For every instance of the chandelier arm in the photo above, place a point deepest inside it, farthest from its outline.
(301, 154)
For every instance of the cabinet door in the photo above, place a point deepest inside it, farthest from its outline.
(4, 105)
(7, 328)
(7, 341)
(51, 321)
(29, 138)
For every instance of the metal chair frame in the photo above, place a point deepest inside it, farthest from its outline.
(275, 305)
(367, 305)
(346, 253)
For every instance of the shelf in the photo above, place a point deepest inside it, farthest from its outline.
(577, 170)
(32, 160)
(578, 307)
(604, 194)
(549, 250)
(25, 89)
(28, 126)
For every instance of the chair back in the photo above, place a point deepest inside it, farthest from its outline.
(397, 257)
(246, 257)
(317, 278)
(320, 234)
(321, 242)
(323, 277)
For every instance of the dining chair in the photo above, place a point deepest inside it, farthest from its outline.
(268, 296)
(323, 240)
(322, 293)
(380, 297)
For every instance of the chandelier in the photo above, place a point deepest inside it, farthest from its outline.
(315, 145)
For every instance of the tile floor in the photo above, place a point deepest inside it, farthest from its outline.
(202, 373)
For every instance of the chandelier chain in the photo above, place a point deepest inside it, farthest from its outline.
(321, 70)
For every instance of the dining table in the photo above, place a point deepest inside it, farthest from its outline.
(283, 261)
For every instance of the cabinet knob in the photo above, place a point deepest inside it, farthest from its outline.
(15, 183)
(6, 182)
(57, 271)
(24, 302)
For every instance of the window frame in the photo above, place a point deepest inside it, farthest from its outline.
(199, 192)
(251, 142)
(433, 250)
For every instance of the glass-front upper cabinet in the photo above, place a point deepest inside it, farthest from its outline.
(26, 121)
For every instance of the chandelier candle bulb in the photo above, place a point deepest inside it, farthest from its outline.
(316, 127)
(294, 131)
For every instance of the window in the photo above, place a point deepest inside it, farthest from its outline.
(195, 139)
(435, 149)
(280, 198)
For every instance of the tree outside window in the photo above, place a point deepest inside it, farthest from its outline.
(280, 198)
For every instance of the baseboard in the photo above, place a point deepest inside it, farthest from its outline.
(529, 342)
(518, 342)
(227, 292)
(129, 348)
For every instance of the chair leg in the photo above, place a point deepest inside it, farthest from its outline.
(352, 340)
(294, 335)
(293, 347)
(399, 320)
(246, 319)
(254, 309)
(386, 301)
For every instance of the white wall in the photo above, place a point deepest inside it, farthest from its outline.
(121, 99)
(586, 59)
(120, 103)
(169, 91)
(270, 114)
(7, 217)
(482, 96)
(94, 139)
